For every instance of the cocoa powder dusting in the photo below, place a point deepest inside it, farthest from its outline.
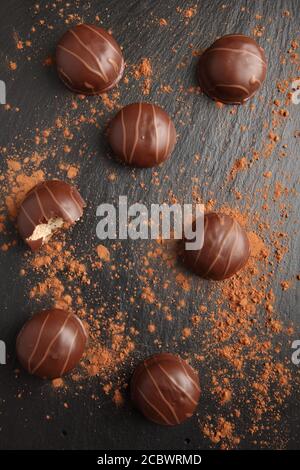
(236, 345)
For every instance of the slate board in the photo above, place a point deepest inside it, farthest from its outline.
(40, 96)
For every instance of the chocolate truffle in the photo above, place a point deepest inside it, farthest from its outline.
(51, 343)
(45, 208)
(225, 249)
(232, 69)
(142, 135)
(165, 389)
(89, 60)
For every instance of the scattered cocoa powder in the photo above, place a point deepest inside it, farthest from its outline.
(238, 342)
(103, 253)
(163, 22)
(144, 71)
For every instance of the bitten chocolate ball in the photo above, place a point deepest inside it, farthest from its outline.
(89, 60)
(142, 135)
(46, 208)
(51, 343)
(165, 389)
(232, 69)
(225, 250)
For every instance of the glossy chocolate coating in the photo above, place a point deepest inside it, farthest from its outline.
(225, 250)
(165, 389)
(48, 200)
(142, 135)
(232, 69)
(51, 343)
(89, 60)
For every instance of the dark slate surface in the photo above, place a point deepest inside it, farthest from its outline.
(40, 97)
